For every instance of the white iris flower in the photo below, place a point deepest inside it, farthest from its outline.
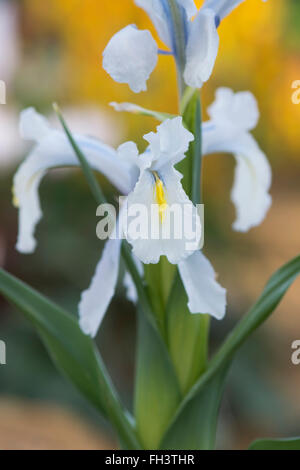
(131, 55)
(146, 179)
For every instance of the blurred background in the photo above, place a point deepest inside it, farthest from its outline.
(50, 50)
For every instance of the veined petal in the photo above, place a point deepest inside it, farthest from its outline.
(54, 150)
(96, 299)
(202, 48)
(158, 12)
(189, 6)
(238, 110)
(253, 175)
(205, 295)
(222, 8)
(169, 144)
(129, 285)
(130, 57)
(166, 221)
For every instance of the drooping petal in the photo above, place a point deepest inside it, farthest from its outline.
(252, 182)
(169, 144)
(253, 175)
(54, 150)
(165, 222)
(238, 110)
(202, 48)
(130, 57)
(205, 295)
(96, 299)
(222, 8)
(129, 285)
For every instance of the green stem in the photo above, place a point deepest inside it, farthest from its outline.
(179, 44)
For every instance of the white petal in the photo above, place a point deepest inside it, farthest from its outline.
(234, 109)
(253, 175)
(169, 144)
(252, 182)
(53, 150)
(202, 49)
(130, 57)
(205, 295)
(222, 7)
(189, 6)
(160, 18)
(96, 299)
(131, 292)
(128, 152)
(33, 126)
(171, 239)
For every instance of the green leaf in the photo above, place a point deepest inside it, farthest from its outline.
(190, 167)
(136, 109)
(276, 444)
(157, 394)
(195, 427)
(73, 352)
(187, 337)
(212, 381)
(159, 279)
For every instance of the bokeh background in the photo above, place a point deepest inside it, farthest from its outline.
(50, 50)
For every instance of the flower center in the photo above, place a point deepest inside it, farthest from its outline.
(160, 196)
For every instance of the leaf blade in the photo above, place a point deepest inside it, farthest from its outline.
(73, 352)
(276, 444)
(262, 309)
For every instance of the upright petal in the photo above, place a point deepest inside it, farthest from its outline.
(189, 6)
(96, 299)
(54, 150)
(205, 295)
(130, 57)
(169, 144)
(160, 17)
(222, 8)
(202, 48)
(237, 110)
(166, 222)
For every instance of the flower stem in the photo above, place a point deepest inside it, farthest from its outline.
(179, 43)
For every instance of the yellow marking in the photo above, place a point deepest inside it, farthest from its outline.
(15, 199)
(160, 196)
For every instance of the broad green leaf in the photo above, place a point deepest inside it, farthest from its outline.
(157, 393)
(187, 337)
(276, 444)
(195, 428)
(212, 381)
(159, 279)
(73, 352)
